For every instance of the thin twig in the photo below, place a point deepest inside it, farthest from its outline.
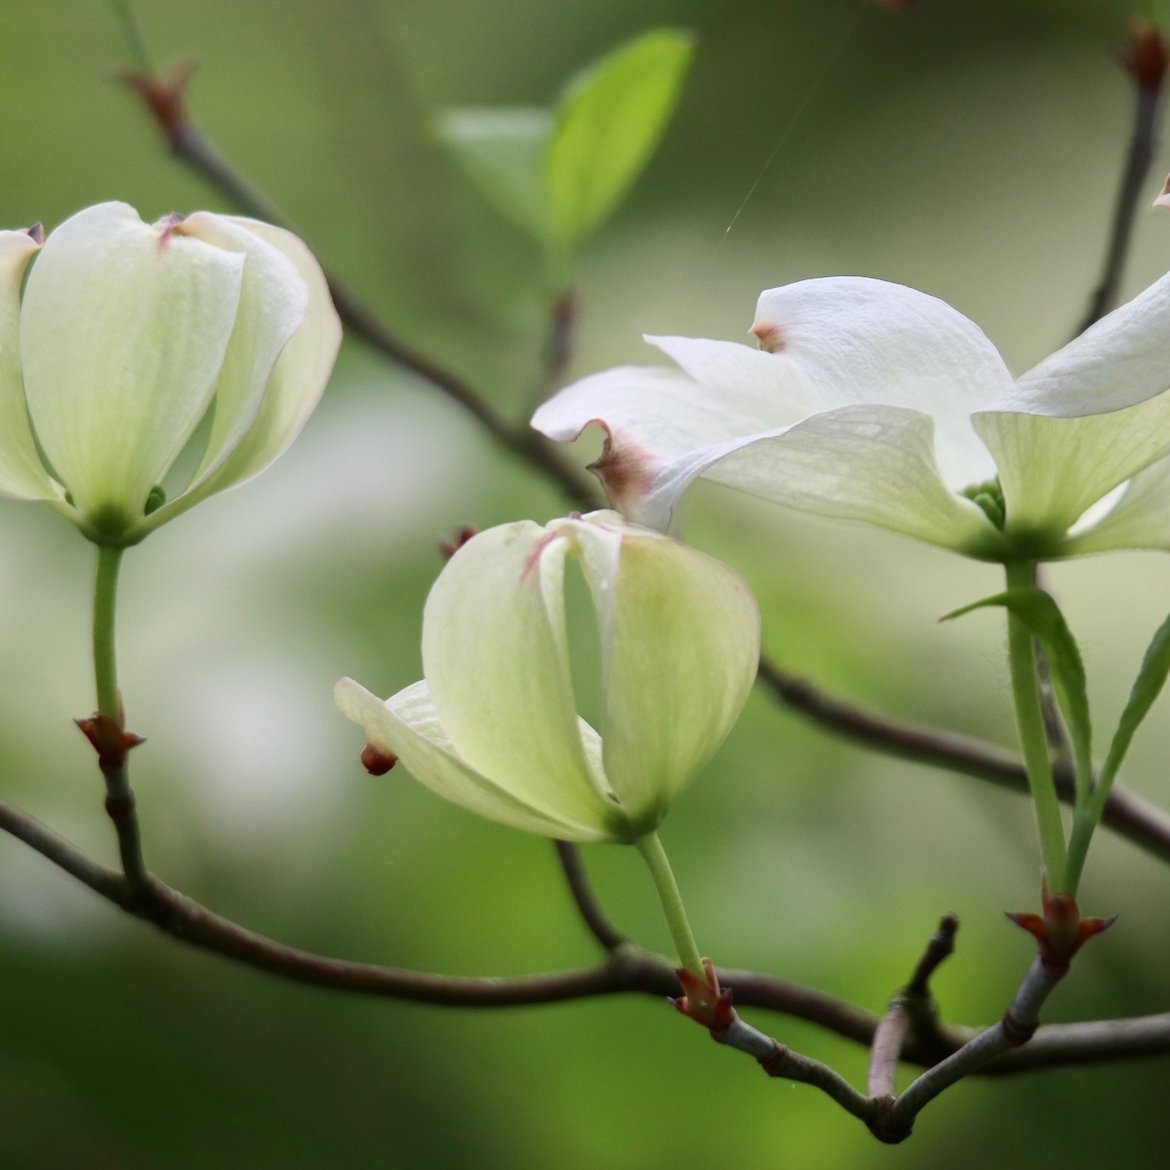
(1015, 1029)
(777, 1060)
(1145, 61)
(886, 1050)
(911, 1008)
(584, 898)
(1126, 813)
(122, 809)
(558, 345)
(627, 969)
(940, 948)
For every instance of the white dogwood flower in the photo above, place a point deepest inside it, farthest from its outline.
(209, 337)
(870, 401)
(494, 726)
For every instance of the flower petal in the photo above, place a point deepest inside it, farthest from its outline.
(21, 472)
(1053, 469)
(123, 331)
(408, 726)
(873, 355)
(273, 302)
(746, 389)
(1139, 519)
(1122, 360)
(302, 370)
(873, 464)
(681, 645)
(495, 655)
(861, 341)
(649, 415)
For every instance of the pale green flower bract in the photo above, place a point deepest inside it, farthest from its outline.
(130, 338)
(494, 725)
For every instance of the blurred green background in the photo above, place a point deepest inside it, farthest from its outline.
(967, 148)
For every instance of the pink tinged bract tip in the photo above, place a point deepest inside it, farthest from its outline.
(770, 337)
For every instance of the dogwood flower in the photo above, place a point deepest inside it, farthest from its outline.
(494, 725)
(208, 337)
(872, 402)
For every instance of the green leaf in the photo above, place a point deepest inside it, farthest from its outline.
(610, 119)
(503, 151)
(1147, 687)
(1040, 613)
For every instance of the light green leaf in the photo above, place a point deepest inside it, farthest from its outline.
(1146, 688)
(610, 119)
(503, 151)
(1040, 613)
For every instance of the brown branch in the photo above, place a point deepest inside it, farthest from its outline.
(1125, 813)
(1145, 61)
(585, 900)
(627, 969)
(778, 1060)
(1009, 1034)
(911, 1008)
(558, 345)
(886, 1050)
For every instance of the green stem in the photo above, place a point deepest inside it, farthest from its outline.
(1078, 847)
(650, 847)
(1033, 742)
(124, 15)
(119, 795)
(105, 600)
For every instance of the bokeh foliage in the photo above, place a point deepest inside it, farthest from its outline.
(967, 149)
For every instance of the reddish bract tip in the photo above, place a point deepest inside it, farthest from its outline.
(164, 97)
(625, 471)
(450, 547)
(1060, 931)
(36, 233)
(109, 739)
(170, 225)
(1147, 56)
(703, 1001)
(376, 761)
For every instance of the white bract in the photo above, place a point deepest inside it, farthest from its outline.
(495, 726)
(870, 401)
(131, 339)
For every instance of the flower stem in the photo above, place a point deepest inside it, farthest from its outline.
(1084, 823)
(112, 742)
(650, 847)
(105, 599)
(1033, 743)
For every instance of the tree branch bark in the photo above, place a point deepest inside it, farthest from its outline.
(627, 969)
